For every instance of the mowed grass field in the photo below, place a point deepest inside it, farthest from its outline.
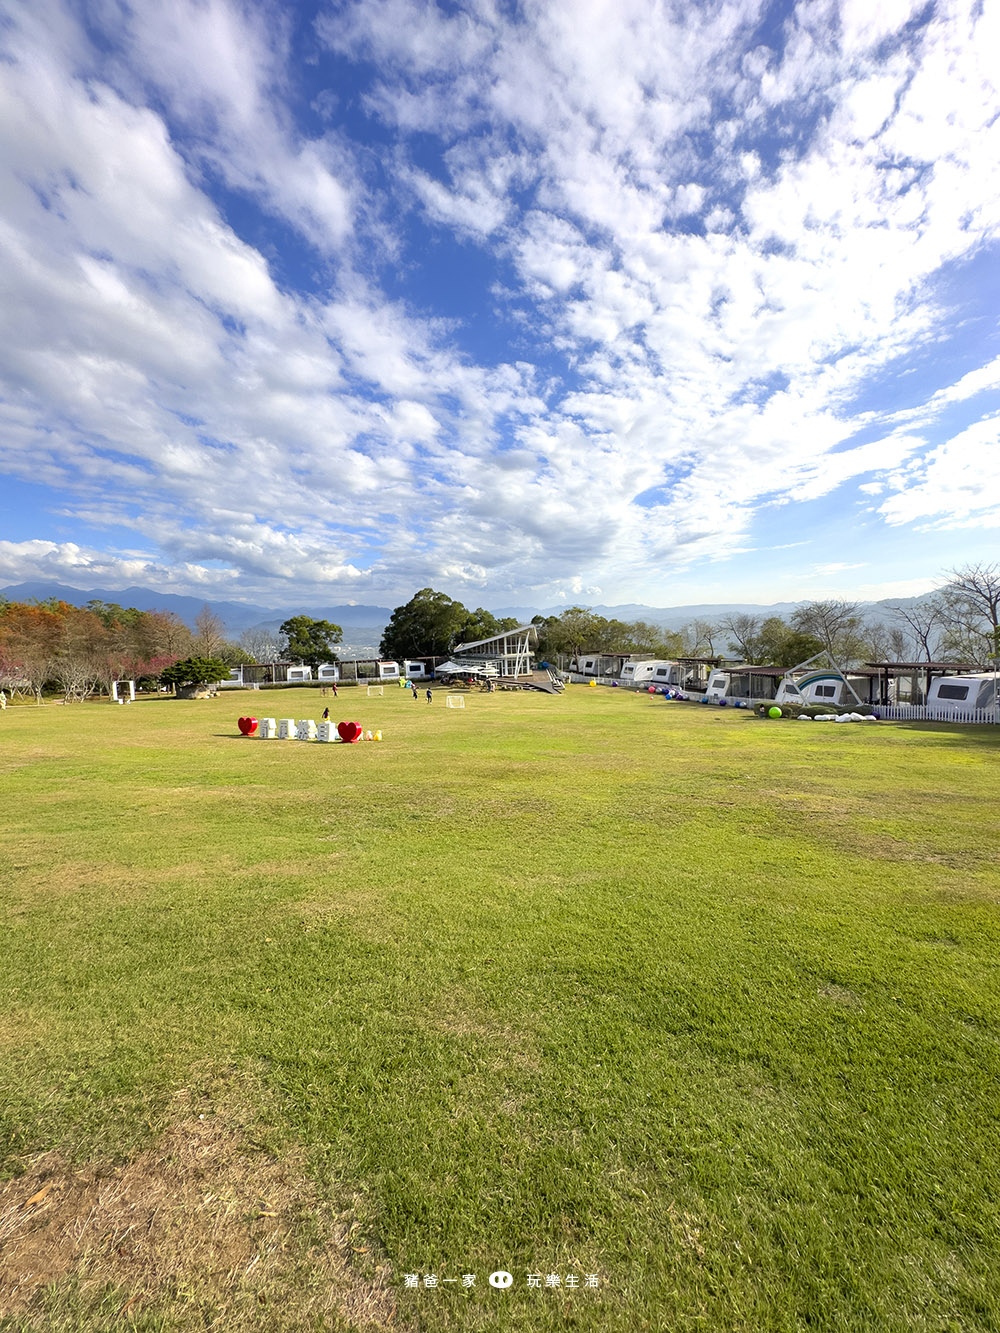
(700, 1008)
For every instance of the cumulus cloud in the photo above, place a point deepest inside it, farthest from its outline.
(704, 255)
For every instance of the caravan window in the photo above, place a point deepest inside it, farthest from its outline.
(661, 671)
(825, 691)
(953, 691)
(717, 683)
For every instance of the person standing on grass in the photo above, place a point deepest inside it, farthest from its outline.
(415, 695)
(333, 686)
(326, 715)
(429, 696)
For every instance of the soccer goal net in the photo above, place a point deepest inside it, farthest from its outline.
(375, 691)
(454, 701)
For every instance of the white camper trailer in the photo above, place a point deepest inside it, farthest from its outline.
(825, 687)
(653, 672)
(953, 695)
(720, 686)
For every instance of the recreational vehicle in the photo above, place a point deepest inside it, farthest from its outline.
(720, 686)
(653, 672)
(826, 687)
(960, 694)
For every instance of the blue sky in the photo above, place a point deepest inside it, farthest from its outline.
(530, 302)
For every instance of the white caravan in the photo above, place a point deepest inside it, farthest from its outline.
(960, 694)
(654, 672)
(824, 687)
(720, 686)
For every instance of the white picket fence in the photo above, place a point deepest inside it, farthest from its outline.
(921, 713)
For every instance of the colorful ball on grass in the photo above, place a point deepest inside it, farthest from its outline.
(722, 703)
(593, 684)
(651, 690)
(704, 698)
(774, 712)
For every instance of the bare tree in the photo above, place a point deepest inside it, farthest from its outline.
(926, 622)
(261, 644)
(876, 636)
(699, 638)
(971, 610)
(900, 644)
(744, 635)
(836, 624)
(168, 635)
(209, 633)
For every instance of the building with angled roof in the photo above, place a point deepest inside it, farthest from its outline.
(509, 652)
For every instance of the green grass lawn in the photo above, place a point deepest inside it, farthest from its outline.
(703, 1005)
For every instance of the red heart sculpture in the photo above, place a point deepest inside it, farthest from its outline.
(248, 725)
(349, 731)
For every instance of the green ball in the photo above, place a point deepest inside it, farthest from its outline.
(774, 712)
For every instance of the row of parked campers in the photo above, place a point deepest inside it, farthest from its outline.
(947, 694)
(379, 671)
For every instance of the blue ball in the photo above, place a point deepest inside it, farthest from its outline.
(722, 703)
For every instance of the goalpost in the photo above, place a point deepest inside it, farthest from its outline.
(454, 701)
(375, 691)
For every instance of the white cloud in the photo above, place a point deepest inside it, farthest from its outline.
(710, 249)
(958, 483)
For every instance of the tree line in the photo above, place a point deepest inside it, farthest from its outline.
(957, 623)
(80, 651)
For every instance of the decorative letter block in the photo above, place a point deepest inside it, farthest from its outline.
(306, 730)
(325, 731)
(268, 729)
(286, 729)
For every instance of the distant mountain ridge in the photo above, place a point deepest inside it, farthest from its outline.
(240, 616)
(236, 616)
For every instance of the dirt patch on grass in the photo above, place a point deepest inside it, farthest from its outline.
(840, 995)
(206, 1227)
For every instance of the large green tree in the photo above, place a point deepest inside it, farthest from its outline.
(195, 671)
(482, 624)
(310, 642)
(782, 646)
(580, 630)
(428, 625)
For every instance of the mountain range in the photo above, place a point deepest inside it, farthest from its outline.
(367, 622)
